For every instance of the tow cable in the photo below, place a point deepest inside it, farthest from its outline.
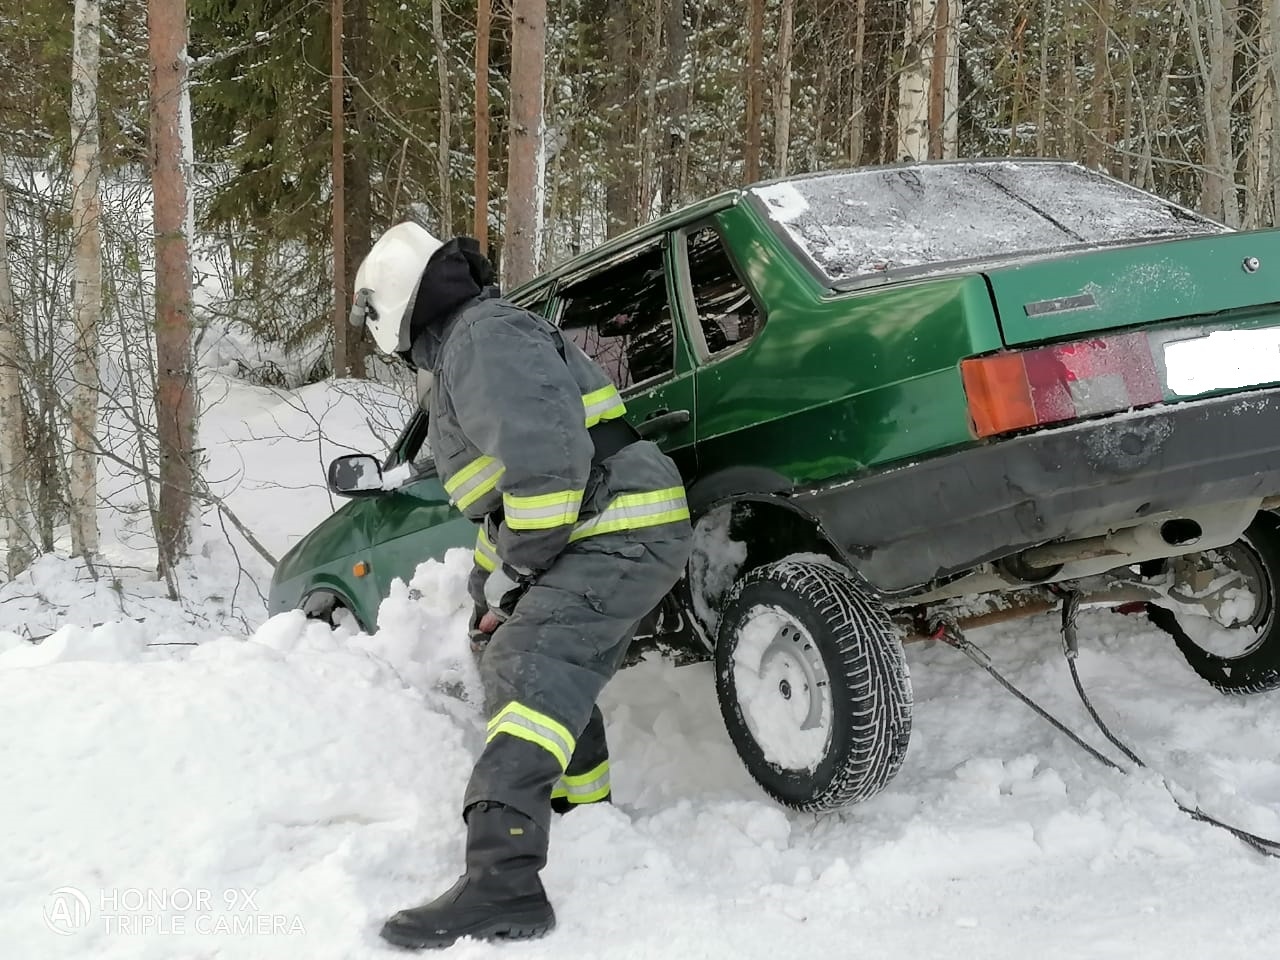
(951, 635)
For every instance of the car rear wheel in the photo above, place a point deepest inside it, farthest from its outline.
(813, 686)
(1235, 645)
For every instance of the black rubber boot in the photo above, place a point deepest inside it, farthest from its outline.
(500, 897)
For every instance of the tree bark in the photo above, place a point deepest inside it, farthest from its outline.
(675, 107)
(1259, 160)
(1099, 99)
(357, 194)
(620, 192)
(446, 136)
(1273, 29)
(528, 50)
(15, 493)
(782, 112)
(755, 91)
(913, 84)
(1216, 60)
(938, 79)
(337, 83)
(483, 25)
(86, 212)
(175, 380)
(858, 121)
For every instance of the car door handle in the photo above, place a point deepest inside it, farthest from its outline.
(662, 422)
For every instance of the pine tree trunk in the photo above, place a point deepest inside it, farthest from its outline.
(1259, 160)
(755, 91)
(86, 211)
(620, 195)
(357, 195)
(337, 121)
(1042, 98)
(938, 78)
(1100, 123)
(951, 82)
(782, 112)
(858, 120)
(175, 386)
(483, 24)
(528, 50)
(1216, 61)
(675, 106)
(15, 494)
(445, 137)
(1273, 30)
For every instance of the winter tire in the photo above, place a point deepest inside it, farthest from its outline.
(812, 684)
(1247, 658)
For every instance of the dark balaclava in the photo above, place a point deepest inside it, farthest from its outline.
(455, 275)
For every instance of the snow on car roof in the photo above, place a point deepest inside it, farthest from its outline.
(864, 223)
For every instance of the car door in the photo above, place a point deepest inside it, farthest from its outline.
(620, 313)
(722, 317)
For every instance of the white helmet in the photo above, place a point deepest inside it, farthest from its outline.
(386, 281)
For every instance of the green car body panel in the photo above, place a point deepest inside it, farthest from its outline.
(845, 381)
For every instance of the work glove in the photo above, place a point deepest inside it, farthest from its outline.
(478, 636)
(503, 590)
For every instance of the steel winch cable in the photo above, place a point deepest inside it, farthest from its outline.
(951, 635)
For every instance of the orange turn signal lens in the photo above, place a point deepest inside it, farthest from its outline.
(999, 393)
(360, 569)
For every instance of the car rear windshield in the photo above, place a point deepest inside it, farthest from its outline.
(866, 223)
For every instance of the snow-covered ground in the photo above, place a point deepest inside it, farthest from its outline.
(187, 781)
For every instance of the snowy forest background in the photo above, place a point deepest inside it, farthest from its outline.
(646, 104)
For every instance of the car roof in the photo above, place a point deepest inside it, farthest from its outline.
(697, 210)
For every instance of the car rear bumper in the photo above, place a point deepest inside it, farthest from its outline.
(912, 525)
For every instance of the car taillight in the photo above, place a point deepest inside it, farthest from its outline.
(1032, 388)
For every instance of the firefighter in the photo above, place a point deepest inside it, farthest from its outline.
(583, 528)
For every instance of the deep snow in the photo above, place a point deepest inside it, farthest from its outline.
(275, 792)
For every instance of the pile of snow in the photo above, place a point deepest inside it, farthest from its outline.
(183, 779)
(278, 794)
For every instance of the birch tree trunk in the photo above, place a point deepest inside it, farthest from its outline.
(481, 226)
(528, 50)
(175, 376)
(15, 494)
(446, 137)
(782, 112)
(755, 91)
(913, 84)
(86, 237)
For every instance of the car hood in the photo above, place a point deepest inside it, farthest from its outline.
(339, 534)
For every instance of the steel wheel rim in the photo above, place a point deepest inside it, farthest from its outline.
(784, 689)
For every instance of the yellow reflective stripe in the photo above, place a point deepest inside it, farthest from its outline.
(586, 787)
(486, 554)
(473, 481)
(541, 511)
(517, 720)
(632, 511)
(602, 404)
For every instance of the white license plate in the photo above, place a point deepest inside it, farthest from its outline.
(1224, 360)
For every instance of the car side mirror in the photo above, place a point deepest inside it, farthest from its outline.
(355, 475)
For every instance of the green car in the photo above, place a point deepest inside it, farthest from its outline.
(891, 390)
